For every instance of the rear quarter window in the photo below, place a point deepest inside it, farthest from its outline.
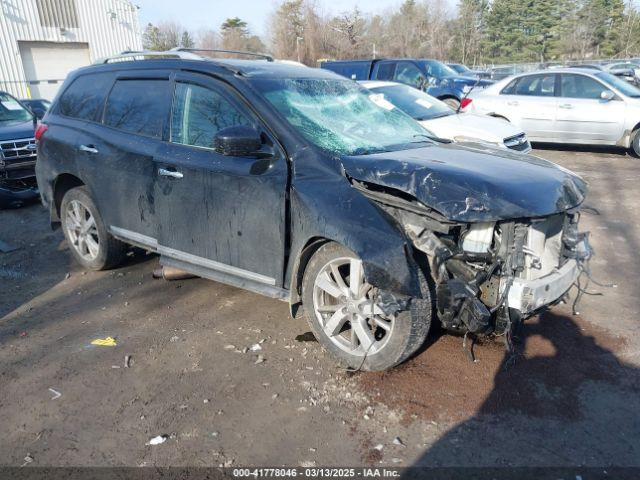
(84, 98)
(138, 106)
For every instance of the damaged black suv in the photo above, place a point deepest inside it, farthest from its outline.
(292, 182)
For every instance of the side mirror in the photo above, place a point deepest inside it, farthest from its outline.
(607, 95)
(240, 141)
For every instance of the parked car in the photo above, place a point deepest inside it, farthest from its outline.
(446, 123)
(290, 182)
(626, 65)
(627, 74)
(498, 73)
(431, 76)
(37, 106)
(578, 106)
(628, 71)
(467, 72)
(17, 153)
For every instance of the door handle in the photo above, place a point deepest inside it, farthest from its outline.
(513, 102)
(88, 148)
(568, 106)
(164, 172)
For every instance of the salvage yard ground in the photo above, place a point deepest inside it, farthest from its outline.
(568, 398)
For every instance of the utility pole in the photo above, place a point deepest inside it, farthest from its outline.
(298, 40)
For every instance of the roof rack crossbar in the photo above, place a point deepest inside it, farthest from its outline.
(147, 54)
(264, 56)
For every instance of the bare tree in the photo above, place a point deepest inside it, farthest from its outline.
(208, 39)
(165, 36)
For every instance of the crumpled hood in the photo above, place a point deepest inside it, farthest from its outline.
(473, 183)
(16, 130)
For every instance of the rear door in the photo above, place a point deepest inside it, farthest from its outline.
(530, 103)
(583, 116)
(225, 214)
(123, 150)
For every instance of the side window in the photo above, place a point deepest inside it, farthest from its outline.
(409, 74)
(385, 71)
(580, 86)
(85, 96)
(138, 106)
(536, 85)
(199, 113)
(510, 88)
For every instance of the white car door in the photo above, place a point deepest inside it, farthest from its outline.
(529, 102)
(583, 116)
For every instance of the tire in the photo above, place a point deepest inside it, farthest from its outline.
(635, 143)
(452, 102)
(387, 347)
(90, 243)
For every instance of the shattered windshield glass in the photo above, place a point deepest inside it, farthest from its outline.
(339, 116)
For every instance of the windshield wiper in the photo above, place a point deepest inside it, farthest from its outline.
(367, 151)
(433, 138)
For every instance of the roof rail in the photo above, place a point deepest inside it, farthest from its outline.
(131, 55)
(264, 56)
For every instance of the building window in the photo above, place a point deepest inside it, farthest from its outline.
(58, 13)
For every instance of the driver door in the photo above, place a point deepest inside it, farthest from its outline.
(409, 74)
(583, 116)
(220, 216)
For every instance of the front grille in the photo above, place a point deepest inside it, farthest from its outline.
(17, 153)
(517, 142)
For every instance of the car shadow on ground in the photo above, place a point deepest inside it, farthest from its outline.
(599, 149)
(40, 258)
(561, 398)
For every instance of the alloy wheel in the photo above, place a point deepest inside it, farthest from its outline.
(82, 230)
(345, 306)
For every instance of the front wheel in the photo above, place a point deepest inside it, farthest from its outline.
(635, 143)
(452, 102)
(89, 241)
(342, 312)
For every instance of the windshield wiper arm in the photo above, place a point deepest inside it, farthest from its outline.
(431, 137)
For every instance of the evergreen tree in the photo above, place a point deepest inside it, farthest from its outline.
(187, 41)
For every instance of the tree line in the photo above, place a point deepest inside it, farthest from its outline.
(476, 32)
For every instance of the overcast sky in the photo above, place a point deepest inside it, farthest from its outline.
(198, 14)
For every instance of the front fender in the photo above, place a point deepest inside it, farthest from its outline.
(331, 209)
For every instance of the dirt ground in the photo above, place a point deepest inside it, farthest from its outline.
(567, 397)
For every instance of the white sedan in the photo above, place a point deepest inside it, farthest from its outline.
(444, 122)
(577, 106)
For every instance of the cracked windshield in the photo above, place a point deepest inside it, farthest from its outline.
(340, 117)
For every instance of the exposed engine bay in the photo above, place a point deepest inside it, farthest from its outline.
(490, 275)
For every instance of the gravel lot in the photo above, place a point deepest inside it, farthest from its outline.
(568, 398)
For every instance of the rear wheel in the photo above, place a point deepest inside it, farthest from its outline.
(89, 241)
(342, 312)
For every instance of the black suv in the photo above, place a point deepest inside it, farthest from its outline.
(292, 182)
(17, 153)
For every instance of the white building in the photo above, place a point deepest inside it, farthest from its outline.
(41, 41)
